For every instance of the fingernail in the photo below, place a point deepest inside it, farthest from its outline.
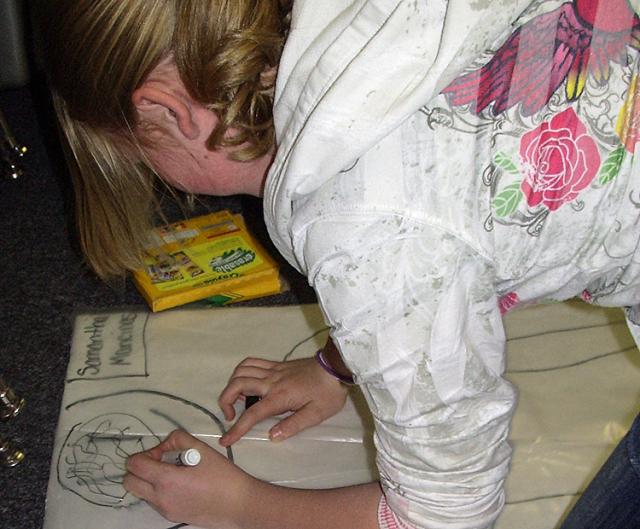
(276, 435)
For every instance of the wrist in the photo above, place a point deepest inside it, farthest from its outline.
(247, 508)
(342, 376)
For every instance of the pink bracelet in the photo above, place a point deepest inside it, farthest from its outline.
(345, 379)
(387, 519)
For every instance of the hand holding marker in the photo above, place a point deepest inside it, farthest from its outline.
(189, 457)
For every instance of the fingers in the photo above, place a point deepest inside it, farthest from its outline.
(177, 440)
(237, 387)
(145, 467)
(267, 407)
(307, 416)
(282, 387)
(251, 377)
(159, 483)
(245, 380)
(250, 372)
(257, 362)
(138, 487)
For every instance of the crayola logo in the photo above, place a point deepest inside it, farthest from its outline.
(231, 259)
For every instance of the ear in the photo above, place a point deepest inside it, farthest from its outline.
(150, 99)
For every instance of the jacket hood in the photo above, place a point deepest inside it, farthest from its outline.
(351, 72)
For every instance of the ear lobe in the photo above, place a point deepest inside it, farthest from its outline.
(148, 100)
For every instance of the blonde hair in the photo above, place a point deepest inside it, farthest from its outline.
(97, 52)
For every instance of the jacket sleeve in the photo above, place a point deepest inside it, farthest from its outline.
(415, 316)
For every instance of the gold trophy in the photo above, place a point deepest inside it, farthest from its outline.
(10, 404)
(10, 453)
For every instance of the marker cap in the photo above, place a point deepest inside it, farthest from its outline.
(190, 457)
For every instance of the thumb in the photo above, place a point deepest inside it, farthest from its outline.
(307, 416)
(145, 467)
(177, 440)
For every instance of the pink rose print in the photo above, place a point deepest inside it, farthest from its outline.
(559, 159)
(507, 302)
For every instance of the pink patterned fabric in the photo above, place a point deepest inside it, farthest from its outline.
(508, 301)
(387, 519)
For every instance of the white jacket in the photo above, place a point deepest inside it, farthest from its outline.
(418, 220)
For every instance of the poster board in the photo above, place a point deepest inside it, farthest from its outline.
(134, 376)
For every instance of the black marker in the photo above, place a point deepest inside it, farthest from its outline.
(250, 400)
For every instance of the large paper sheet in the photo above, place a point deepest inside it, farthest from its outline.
(133, 377)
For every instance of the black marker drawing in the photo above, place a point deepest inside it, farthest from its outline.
(92, 462)
(92, 458)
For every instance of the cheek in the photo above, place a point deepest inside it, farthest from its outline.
(174, 168)
(211, 175)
